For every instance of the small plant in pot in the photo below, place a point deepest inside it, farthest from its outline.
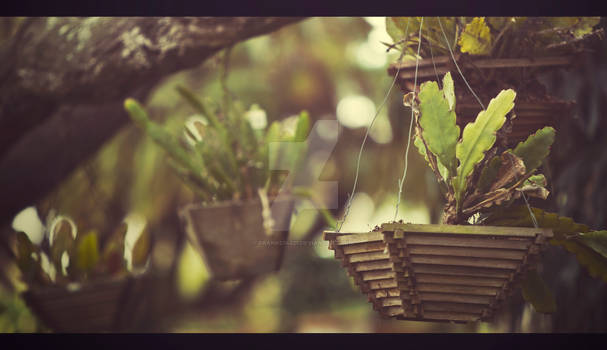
(226, 156)
(76, 284)
(494, 54)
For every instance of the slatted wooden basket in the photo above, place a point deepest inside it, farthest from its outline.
(458, 273)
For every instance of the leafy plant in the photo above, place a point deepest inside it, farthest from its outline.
(475, 171)
(493, 36)
(65, 256)
(222, 156)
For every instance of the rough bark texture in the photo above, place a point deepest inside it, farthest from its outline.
(63, 80)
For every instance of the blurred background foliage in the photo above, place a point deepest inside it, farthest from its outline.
(335, 68)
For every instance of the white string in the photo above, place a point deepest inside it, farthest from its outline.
(349, 202)
(402, 180)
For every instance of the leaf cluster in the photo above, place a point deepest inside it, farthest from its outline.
(476, 173)
(66, 256)
(498, 37)
(223, 153)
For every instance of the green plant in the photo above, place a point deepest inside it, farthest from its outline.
(481, 178)
(222, 156)
(476, 171)
(498, 37)
(65, 256)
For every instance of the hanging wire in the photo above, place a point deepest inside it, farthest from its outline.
(533, 218)
(434, 64)
(402, 180)
(360, 152)
(456, 65)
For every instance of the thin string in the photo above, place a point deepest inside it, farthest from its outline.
(402, 180)
(434, 65)
(349, 202)
(456, 65)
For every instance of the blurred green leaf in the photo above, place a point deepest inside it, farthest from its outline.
(88, 252)
(597, 240)
(537, 293)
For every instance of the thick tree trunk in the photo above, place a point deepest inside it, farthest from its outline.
(63, 80)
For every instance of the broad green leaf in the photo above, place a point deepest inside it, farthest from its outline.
(479, 136)
(597, 240)
(488, 174)
(88, 252)
(476, 38)
(535, 148)
(595, 263)
(537, 293)
(142, 248)
(419, 144)
(519, 216)
(562, 227)
(449, 91)
(438, 123)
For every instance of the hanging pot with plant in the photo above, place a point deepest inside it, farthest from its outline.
(455, 272)
(243, 219)
(495, 54)
(73, 286)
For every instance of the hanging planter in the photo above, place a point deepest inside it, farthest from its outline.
(73, 286)
(235, 238)
(456, 271)
(494, 53)
(242, 218)
(534, 111)
(100, 306)
(435, 273)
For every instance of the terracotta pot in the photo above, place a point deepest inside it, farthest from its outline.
(98, 306)
(232, 237)
(533, 109)
(455, 273)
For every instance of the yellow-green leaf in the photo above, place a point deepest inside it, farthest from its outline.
(88, 252)
(476, 38)
(422, 150)
(479, 136)
(438, 123)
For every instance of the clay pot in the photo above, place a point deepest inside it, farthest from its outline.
(232, 237)
(450, 273)
(98, 306)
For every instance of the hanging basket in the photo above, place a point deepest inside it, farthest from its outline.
(99, 306)
(233, 239)
(457, 273)
(533, 113)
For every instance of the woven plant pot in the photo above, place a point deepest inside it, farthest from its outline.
(98, 306)
(457, 273)
(233, 239)
(533, 112)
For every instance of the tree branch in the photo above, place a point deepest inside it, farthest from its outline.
(63, 80)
